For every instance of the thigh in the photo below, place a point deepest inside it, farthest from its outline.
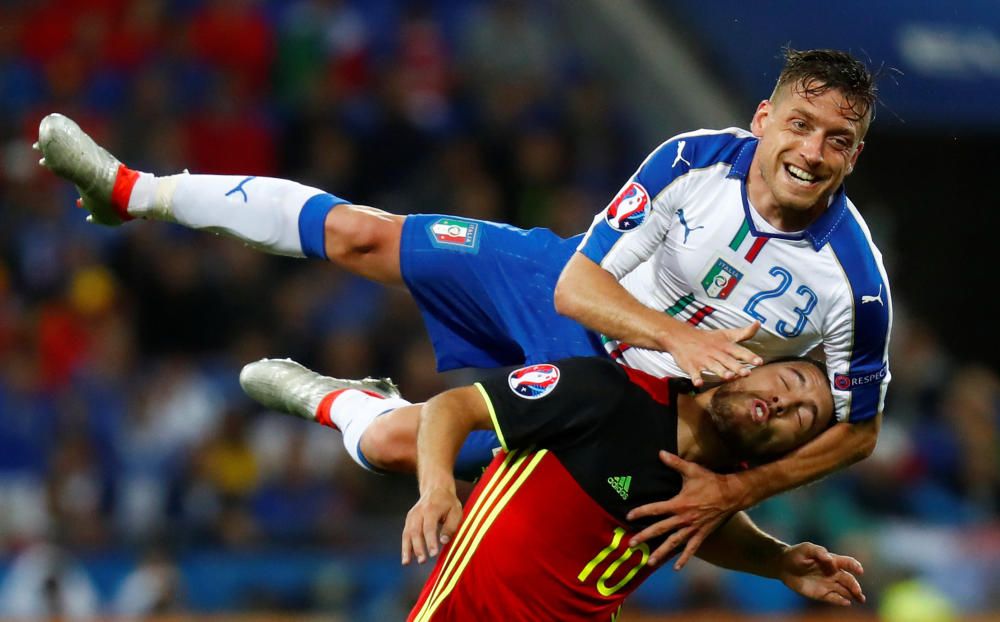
(365, 241)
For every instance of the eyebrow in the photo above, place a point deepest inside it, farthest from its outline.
(849, 130)
(800, 376)
(803, 113)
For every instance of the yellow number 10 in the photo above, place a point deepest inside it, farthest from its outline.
(616, 541)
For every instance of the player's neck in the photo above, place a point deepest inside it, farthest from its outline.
(766, 205)
(697, 440)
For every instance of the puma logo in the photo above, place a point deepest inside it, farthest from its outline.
(876, 298)
(687, 229)
(239, 188)
(680, 154)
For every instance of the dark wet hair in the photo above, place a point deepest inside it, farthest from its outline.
(813, 72)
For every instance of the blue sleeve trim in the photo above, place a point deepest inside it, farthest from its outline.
(312, 222)
(602, 239)
(678, 156)
(864, 403)
(670, 161)
(868, 365)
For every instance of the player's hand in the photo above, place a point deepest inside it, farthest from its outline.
(814, 572)
(706, 500)
(716, 351)
(432, 521)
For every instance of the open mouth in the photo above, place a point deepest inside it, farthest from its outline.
(800, 176)
(759, 411)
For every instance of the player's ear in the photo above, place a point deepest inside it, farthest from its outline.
(760, 118)
(854, 158)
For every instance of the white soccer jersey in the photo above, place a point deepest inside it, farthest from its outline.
(682, 237)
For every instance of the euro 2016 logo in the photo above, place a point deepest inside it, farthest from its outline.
(629, 208)
(535, 381)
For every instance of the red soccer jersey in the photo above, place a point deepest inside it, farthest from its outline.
(543, 536)
(532, 546)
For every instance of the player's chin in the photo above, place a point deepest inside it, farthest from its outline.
(800, 199)
(741, 439)
(756, 443)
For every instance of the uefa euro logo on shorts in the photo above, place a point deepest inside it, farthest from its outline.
(535, 381)
(455, 233)
(629, 208)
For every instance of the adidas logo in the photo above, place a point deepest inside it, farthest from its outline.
(621, 484)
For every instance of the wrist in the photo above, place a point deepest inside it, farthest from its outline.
(742, 490)
(439, 480)
(670, 332)
(777, 565)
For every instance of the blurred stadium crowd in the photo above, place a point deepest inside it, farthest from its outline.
(134, 475)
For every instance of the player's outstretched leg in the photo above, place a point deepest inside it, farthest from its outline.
(274, 215)
(351, 406)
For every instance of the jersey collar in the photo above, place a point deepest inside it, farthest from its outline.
(818, 233)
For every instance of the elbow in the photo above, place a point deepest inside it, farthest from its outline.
(866, 448)
(867, 437)
(574, 295)
(563, 298)
(462, 407)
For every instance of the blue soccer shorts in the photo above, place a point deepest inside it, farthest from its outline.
(485, 292)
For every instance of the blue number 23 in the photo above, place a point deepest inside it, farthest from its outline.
(802, 312)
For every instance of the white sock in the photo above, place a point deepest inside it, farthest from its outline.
(352, 411)
(264, 212)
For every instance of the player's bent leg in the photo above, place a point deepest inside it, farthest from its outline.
(390, 442)
(288, 387)
(365, 241)
(379, 427)
(347, 405)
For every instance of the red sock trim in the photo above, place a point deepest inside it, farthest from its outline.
(122, 190)
(323, 410)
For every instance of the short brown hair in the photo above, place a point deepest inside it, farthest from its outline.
(813, 72)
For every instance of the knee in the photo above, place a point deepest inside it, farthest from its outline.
(353, 230)
(390, 444)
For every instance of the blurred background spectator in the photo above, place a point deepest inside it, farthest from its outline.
(135, 478)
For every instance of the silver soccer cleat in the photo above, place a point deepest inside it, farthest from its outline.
(73, 155)
(285, 386)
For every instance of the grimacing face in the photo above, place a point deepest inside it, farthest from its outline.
(777, 408)
(808, 145)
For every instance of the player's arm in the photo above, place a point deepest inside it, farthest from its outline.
(445, 421)
(593, 296)
(629, 232)
(836, 448)
(707, 498)
(806, 568)
(856, 346)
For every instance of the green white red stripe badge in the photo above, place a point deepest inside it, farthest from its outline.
(753, 247)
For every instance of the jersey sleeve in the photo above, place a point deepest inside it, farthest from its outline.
(857, 342)
(552, 404)
(634, 224)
